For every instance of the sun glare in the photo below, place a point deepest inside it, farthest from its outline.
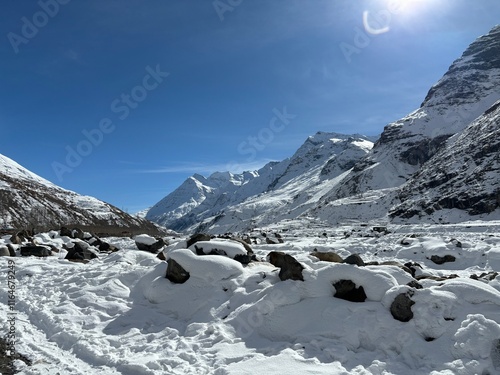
(378, 21)
(407, 6)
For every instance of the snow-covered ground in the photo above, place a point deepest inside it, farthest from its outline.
(118, 314)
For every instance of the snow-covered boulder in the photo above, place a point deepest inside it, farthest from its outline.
(234, 249)
(146, 242)
(209, 267)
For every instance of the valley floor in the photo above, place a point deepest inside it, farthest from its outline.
(119, 314)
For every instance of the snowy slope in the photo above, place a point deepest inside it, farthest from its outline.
(28, 200)
(277, 191)
(118, 314)
(318, 165)
(199, 197)
(470, 87)
(465, 175)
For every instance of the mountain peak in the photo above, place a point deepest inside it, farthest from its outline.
(30, 201)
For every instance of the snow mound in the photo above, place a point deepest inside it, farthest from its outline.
(231, 248)
(209, 268)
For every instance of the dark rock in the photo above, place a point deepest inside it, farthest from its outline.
(441, 260)
(106, 247)
(54, 249)
(380, 230)
(200, 251)
(456, 242)
(35, 250)
(328, 256)
(270, 242)
(401, 307)
(198, 237)
(346, 289)
(245, 259)
(153, 248)
(412, 266)
(437, 278)
(405, 242)
(21, 237)
(485, 276)
(78, 233)
(4, 251)
(354, 259)
(161, 256)
(290, 268)
(415, 284)
(81, 251)
(175, 272)
(495, 354)
(16, 240)
(12, 250)
(65, 232)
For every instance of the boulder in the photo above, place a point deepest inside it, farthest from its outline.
(64, 231)
(412, 266)
(495, 354)
(328, 256)
(4, 251)
(161, 256)
(175, 272)
(401, 307)
(245, 259)
(12, 250)
(441, 260)
(81, 251)
(78, 233)
(346, 289)
(148, 243)
(198, 237)
(354, 259)
(16, 240)
(270, 242)
(35, 250)
(290, 268)
(107, 248)
(485, 276)
(415, 284)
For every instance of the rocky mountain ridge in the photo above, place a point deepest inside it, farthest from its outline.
(30, 201)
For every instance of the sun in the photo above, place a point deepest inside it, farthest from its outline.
(407, 6)
(378, 21)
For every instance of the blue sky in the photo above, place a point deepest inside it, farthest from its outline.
(124, 99)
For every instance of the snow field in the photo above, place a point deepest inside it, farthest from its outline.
(119, 314)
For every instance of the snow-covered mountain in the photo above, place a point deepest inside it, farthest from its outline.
(279, 189)
(465, 175)
(28, 200)
(421, 163)
(466, 91)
